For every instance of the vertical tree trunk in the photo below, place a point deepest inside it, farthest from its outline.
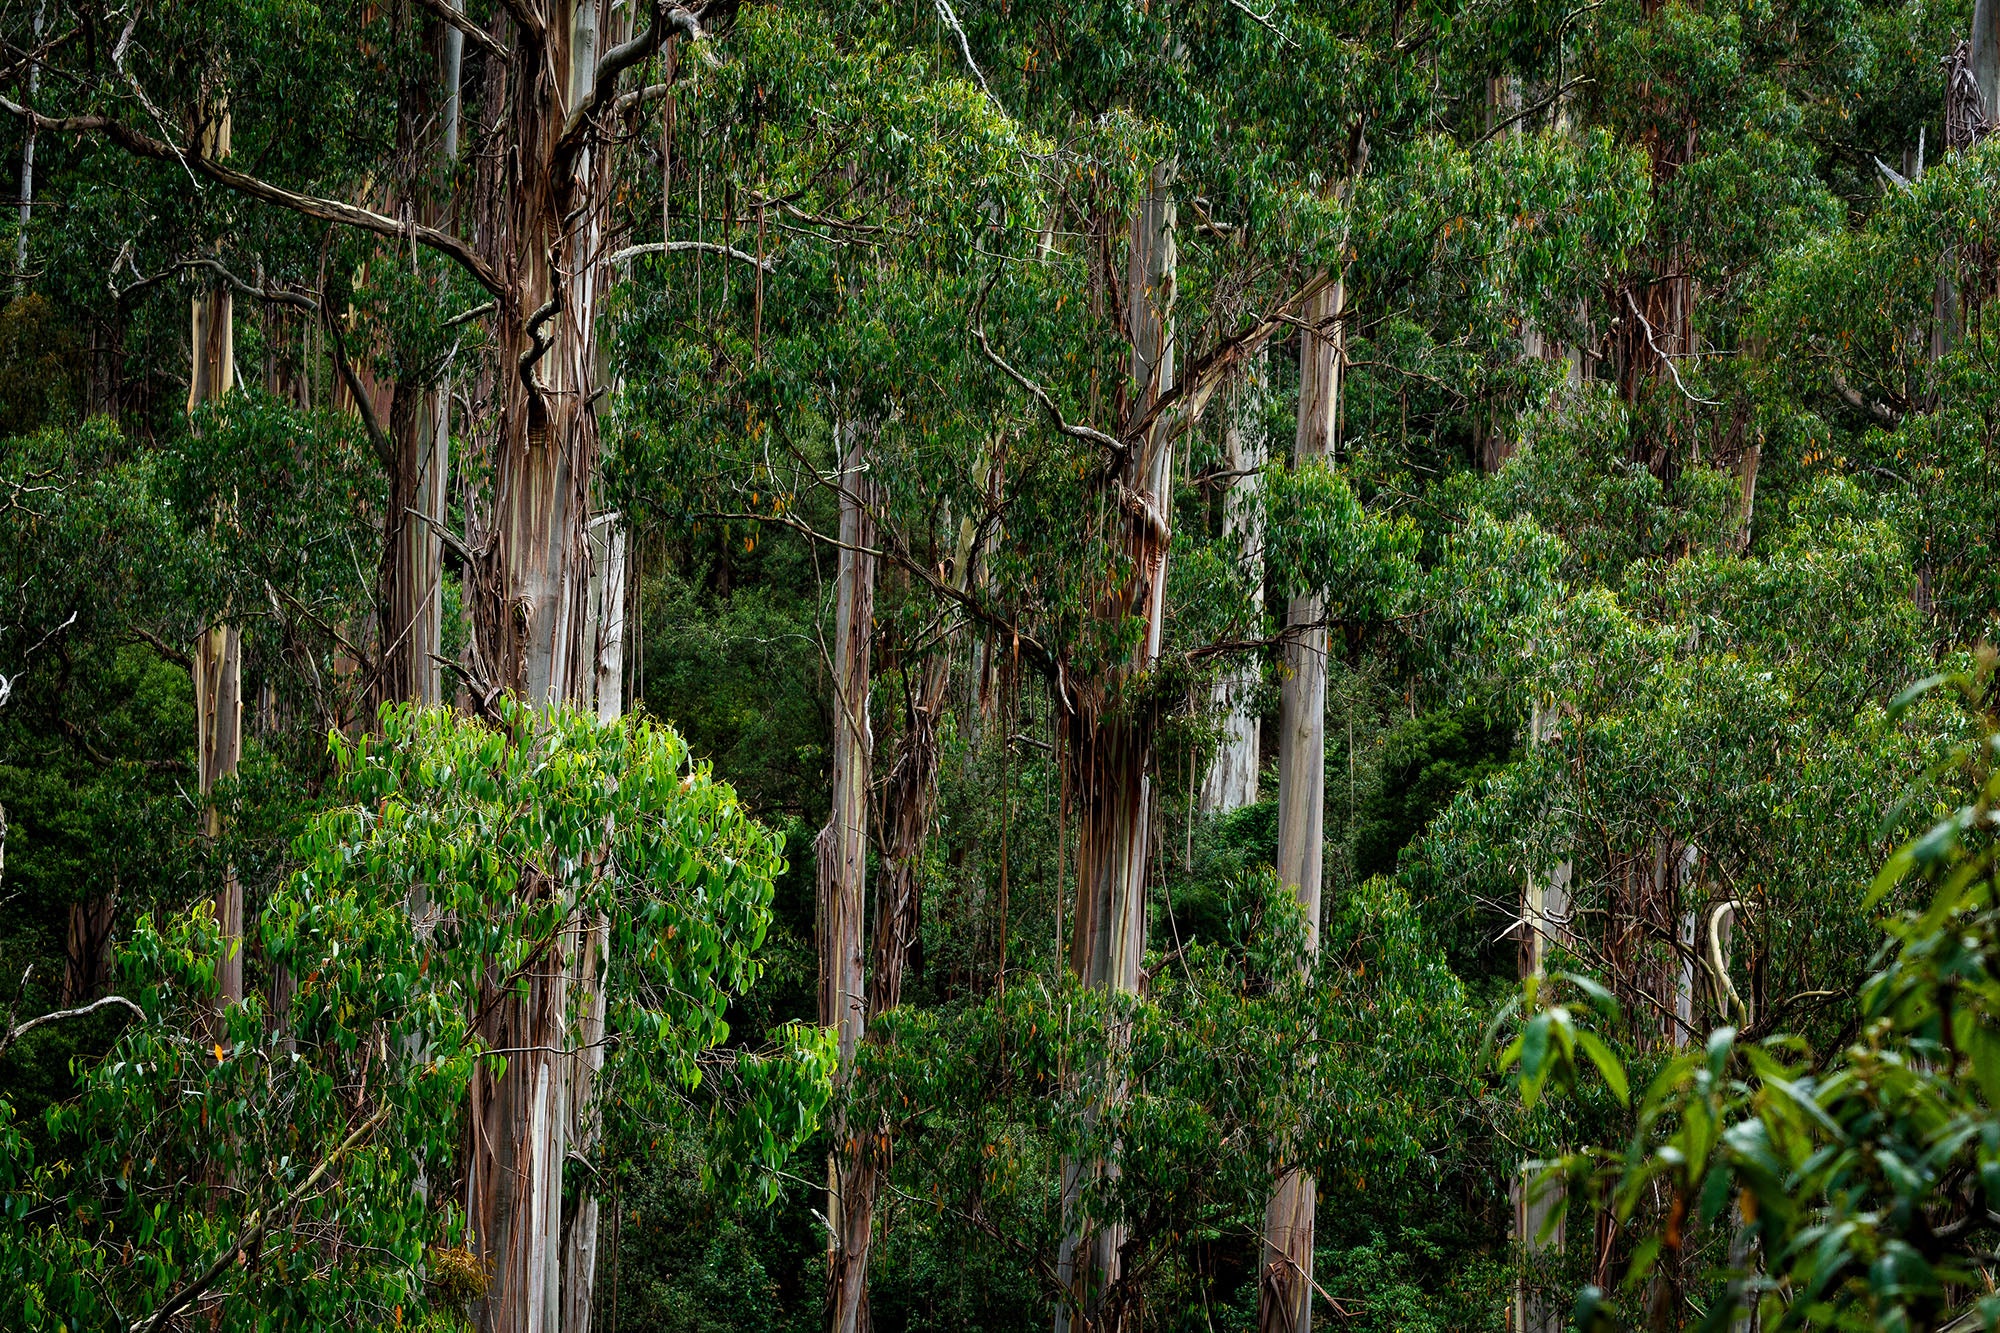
(412, 578)
(1284, 1296)
(1110, 745)
(541, 216)
(218, 655)
(1545, 919)
(580, 1229)
(841, 856)
(28, 156)
(1232, 777)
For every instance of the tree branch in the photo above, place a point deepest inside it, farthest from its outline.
(457, 19)
(1875, 411)
(378, 439)
(681, 247)
(1088, 434)
(256, 1225)
(140, 144)
(14, 1034)
(610, 67)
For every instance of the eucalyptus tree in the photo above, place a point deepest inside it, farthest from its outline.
(545, 83)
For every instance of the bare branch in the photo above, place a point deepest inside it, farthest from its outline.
(610, 67)
(681, 247)
(457, 19)
(1868, 407)
(14, 1034)
(140, 144)
(378, 438)
(1088, 434)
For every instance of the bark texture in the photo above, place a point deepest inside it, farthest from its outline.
(841, 856)
(539, 206)
(218, 654)
(1284, 1295)
(1232, 777)
(1111, 736)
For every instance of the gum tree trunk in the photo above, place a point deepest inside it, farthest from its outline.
(841, 855)
(28, 157)
(1232, 777)
(1284, 1293)
(218, 654)
(1110, 742)
(541, 198)
(412, 575)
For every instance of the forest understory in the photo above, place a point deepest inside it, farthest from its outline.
(1144, 666)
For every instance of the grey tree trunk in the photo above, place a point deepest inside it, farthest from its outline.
(1545, 920)
(1284, 1295)
(1111, 746)
(218, 654)
(841, 856)
(28, 156)
(1232, 777)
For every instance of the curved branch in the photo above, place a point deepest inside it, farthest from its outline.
(610, 67)
(141, 144)
(681, 247)
(1868, 407)
(1088, 434)
(477, 35)
(14, 1034)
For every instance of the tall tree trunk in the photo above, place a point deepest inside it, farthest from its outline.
(841, 856)
(1284, 1294)
(1545, 919)
(1232, 776)
(28, 156)
(542, 204)
(909, 801)
(580, 1228)
(412, 578)
(218, 654)
(1110, 742)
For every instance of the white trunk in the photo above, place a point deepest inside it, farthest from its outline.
(1232, 777)
(28, 156)
(608, 615)
(1284, 1298)
(841, 854)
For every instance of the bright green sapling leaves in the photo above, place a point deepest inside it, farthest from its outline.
(288, 1163)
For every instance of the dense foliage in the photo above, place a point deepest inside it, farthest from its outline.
(1642, 551)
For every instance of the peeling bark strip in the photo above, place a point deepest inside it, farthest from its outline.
(1109, 745)
(1284, 1287)
(841, 857)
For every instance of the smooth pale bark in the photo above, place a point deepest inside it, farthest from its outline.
(1110, 744)
(218, 654)
(841, 857)
(1986, 55)
(1284, 1289)
(1546, 919)
(909, 802)
(1232, 776)
(28, 156)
